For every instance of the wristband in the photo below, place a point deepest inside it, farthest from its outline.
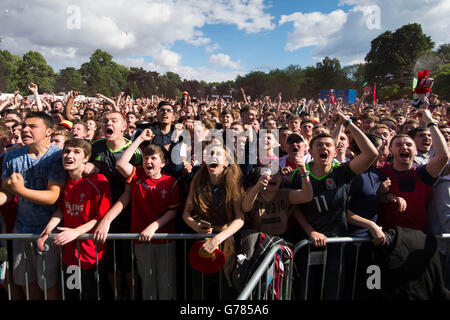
(431, 124)
(303, 175)
(347, 122)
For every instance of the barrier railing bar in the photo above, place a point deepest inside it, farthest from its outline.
(308, 264)
(340, 270)
(258, 273)
(44, 275)
(132, 270)
(255, 279)
(115, 269)
(26, 271)
(62, 274)
(358, 246)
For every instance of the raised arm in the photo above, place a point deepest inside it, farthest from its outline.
(34, 89)
(366, 92)
(441, 152)
(119, 98)
(244, 96)
(252, 193)
(123, 165)
(5, 104)
(68, 106)
(111, 101)
(368, 151)
(306, 193)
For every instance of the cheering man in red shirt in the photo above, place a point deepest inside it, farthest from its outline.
(411, 184)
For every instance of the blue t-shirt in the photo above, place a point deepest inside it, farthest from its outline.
(364, 199)
(32, 217)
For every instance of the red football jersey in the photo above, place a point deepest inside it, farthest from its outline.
(82, 201)
(151, 199)
(414, 186)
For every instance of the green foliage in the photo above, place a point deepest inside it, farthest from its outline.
(393, 55)
(9, 64)
(102, 75)
(68, 79)
(442, 82)
(34, 68)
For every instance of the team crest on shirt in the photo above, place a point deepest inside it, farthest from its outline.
(163, 194)
(331, 184)
(82, 195)
(145, 186)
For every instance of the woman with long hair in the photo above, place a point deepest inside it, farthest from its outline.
(214, 206)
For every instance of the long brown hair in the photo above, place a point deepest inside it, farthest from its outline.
(231, 178)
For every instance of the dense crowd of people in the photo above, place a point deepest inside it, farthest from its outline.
(302, 169)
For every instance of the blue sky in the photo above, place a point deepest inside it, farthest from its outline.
(211, 40)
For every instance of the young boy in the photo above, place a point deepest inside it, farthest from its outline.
(83, 203)
(154, 202)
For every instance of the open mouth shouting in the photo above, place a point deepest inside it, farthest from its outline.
(109, 132)
(405, 156)
(68, 163)
(323, 156)
(426, 144)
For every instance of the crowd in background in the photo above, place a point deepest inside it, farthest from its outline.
(323, 168)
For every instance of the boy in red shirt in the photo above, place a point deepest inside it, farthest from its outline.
(85, 201)
(154, 202)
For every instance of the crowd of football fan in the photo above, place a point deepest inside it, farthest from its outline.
(302, 169)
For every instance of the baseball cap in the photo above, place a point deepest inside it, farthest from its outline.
(293, 137)
(66, 123)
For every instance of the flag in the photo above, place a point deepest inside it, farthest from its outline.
(374, 92)
(414, 85)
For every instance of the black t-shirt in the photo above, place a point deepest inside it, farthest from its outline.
(105, 159)
(327, 212)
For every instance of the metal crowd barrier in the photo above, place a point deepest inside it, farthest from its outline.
(114, 237)
(314, 258)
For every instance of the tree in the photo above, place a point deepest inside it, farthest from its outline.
(392, 55)
(442, 82)
(34, 68)
(69, 79)
(254, 84)
(102, 75)
(9, 65)
(444, 53)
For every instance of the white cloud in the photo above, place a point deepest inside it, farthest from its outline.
(212, 48)
(223, 60)
(132, 28)
(312, 29)
(349, 40)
